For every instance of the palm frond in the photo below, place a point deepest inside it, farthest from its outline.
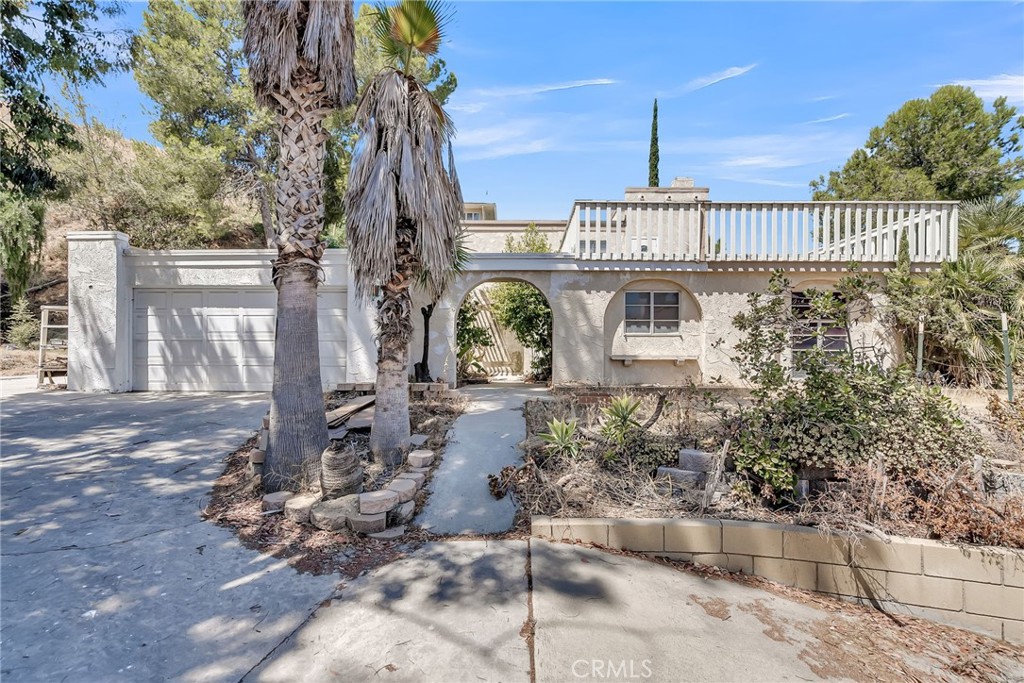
(410, 26)
(282, 36)
(402, 170)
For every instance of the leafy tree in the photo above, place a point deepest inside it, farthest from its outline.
(945, 147)
(654, 158)
(38, 39)
(403, 204)
(189, 61)
(21, 239)
(162, 198)
(300, 65)
(522, 309)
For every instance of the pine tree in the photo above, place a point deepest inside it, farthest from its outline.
(652, 173)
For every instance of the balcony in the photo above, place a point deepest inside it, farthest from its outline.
(836, 232)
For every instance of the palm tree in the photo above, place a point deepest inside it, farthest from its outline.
(403, 204)
(962, 301)
(301, 66)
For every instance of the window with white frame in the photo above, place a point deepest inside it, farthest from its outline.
(472, 216)
(594, 247)
(652, 312)
(815, 332)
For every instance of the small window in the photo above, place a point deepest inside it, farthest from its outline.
(472, 216)
(652, 312)
(822, 333)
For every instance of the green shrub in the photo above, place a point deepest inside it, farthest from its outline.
(23, 331)
(470, 339)
(844, 410)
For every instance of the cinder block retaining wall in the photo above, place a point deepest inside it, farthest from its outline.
(978, 588)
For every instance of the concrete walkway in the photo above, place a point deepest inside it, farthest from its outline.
(483, 441)
(108, 572)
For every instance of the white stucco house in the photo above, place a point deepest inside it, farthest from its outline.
(642, 291)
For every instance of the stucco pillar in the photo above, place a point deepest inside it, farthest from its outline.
(99, 312)
(362, 349)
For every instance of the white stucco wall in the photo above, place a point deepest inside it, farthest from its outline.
(590, 346)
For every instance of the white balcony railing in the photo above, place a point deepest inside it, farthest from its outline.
(762, 231)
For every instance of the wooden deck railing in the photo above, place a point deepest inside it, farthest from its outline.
(762, 231)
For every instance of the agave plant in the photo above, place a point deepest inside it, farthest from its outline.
(561, 438)
(403, 203)
(619, 418)
(301, 67)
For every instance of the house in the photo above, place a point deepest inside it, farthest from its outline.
(642, 291)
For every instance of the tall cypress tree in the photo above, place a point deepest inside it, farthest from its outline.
(652, 172)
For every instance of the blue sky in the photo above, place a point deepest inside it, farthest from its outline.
(755, 99)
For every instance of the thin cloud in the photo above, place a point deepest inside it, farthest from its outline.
(717, 77)
(828, 119)
(481, 98)
(763, 161)
(1010, 86)
(822, 98)
(529, 90)
(765, 181)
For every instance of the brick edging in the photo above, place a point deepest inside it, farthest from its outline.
(980, 588)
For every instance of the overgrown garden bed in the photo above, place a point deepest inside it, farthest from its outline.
(838, 440)
(237, 500)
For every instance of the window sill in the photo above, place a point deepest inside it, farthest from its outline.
(677, 359)
(660, 335)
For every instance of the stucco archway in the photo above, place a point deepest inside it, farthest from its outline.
(441, 342)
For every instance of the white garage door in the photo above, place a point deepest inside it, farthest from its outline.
(222, 340)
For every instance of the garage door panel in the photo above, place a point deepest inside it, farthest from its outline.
(221, 325)
(230, 300)
(173, 352)
(149, 299)
(180, 324)
(264, 301)
(259, 325)
(258, 350)
(222, 340)
(186, 299)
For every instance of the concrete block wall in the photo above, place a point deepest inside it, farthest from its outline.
(977, 588)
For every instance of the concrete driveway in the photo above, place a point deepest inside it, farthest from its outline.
(108, 572)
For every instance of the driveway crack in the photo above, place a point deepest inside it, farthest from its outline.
(320, 604)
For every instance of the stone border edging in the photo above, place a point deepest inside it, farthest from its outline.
(980, 588)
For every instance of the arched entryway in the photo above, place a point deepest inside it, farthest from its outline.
(503, 332)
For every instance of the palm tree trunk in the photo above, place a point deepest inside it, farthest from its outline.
(298, 427)
(389, 436)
